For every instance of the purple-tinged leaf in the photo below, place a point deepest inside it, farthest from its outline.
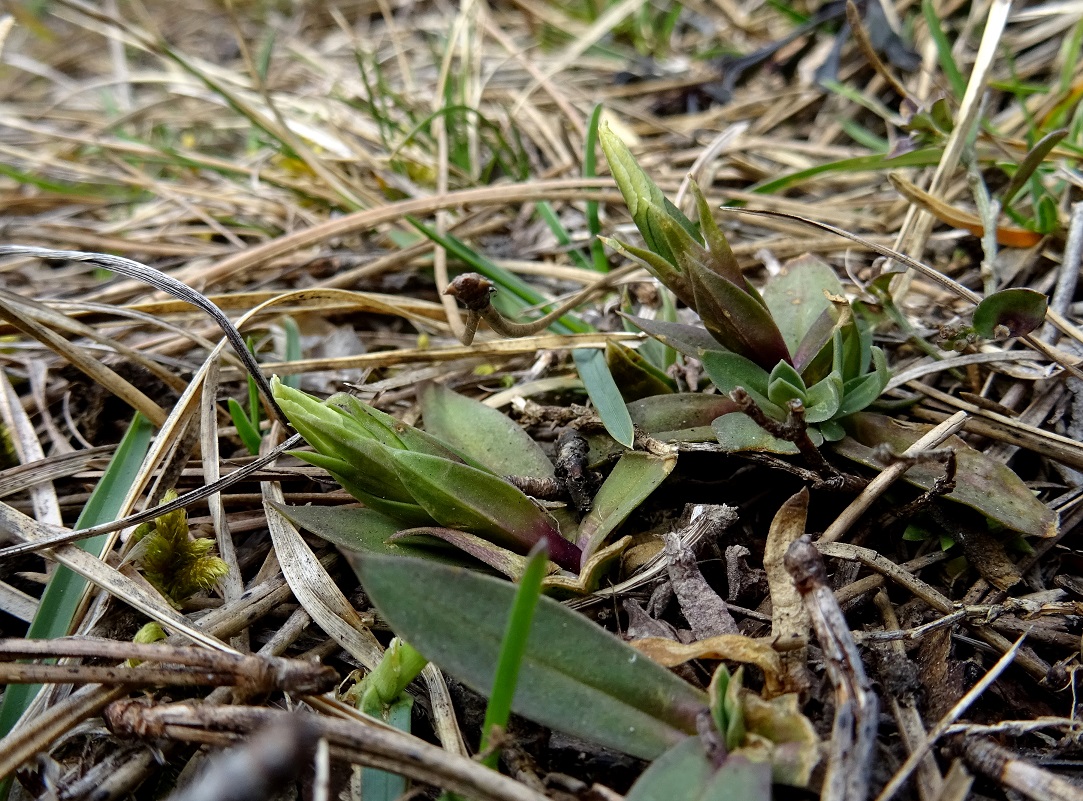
(1010, 313)
(691, 340)
(722, 259)
(459, 496)
(502, 560)
(735, 318)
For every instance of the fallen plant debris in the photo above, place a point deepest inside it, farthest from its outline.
(656, 400)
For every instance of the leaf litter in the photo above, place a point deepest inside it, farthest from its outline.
(287, 158)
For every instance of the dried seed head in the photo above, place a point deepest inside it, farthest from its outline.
(471, 290)
(805, 564)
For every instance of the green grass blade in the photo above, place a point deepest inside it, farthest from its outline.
(65, 589)
(590, 167)
(1070, 52)
(1031, 163)
(565, 240)
(926, 157)
(943, 50)
(293, 350)
(604, 394)
(512, 650)
(248, 433)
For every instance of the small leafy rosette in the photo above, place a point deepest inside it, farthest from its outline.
(798, 340)
(413, 478)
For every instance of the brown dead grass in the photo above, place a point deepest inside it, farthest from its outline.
(151, 131)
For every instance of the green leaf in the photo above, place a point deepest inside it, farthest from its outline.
(677, 411)
(483, 433)
(729, 371)
(64, 592)
(406, 436)
(691, 340)
(680, 773)
(1010, 313)
(796, 299)
(981, 483)
(785, 384)
(575, 676)
(859, 393)
(661, 269)
(383, 785)
(822, 399)
(646, 203)
(634, 375)
(735, 318)
(249, 434)
(781, 392)
(364, 530)
(831, 430)
(366, 468)
(726, 707)
(459, 496)
(512, 650)
(604, 394)
(737, 432)
(687, 773)
(635, 476)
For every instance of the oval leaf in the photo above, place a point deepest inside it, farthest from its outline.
(1010, 313)
(484, 434)
(459, 496)
(980, 482)
(575, 676)
(678, 411)
(796, 298)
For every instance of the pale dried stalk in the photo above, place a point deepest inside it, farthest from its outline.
(888, 476)
(370, 746)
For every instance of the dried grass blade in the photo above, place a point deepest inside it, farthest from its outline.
(232, 585)
(314, 588)
(93, 368)
(104, 576)
(165, 283)
(60, 321)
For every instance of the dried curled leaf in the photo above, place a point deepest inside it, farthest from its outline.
(790, 621)
(733, 647)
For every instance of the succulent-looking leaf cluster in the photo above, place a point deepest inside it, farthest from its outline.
(415, 479)
(798, 341)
